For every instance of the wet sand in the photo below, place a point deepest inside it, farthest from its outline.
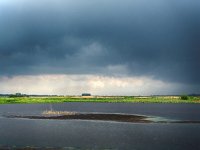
(79, 116)
(105, 117)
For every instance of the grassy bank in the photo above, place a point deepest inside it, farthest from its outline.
(125, 99)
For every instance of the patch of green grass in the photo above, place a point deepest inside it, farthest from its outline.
(125, 99)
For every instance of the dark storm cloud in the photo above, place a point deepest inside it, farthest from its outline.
(151, 38)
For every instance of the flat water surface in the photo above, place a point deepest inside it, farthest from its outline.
(83, 134)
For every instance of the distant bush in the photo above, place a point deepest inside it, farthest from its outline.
(13, 96)
(184, 97)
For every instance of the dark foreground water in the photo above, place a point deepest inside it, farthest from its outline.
(83, 134)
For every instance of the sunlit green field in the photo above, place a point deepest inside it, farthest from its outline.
(120, 99)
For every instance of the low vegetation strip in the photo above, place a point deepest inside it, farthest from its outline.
(57, 113)
(121, 99)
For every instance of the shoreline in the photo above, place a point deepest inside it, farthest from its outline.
(119, 99)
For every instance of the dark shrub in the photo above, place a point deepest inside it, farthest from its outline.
(184, 97)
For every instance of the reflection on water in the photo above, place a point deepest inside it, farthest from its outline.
(83, 134)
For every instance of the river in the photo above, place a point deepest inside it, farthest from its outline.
(83, 134)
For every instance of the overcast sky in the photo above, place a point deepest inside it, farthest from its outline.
(105, 47)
